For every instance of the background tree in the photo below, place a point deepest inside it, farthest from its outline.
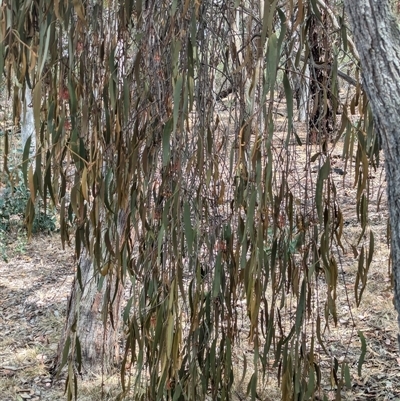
(377, 38)
(159, 137)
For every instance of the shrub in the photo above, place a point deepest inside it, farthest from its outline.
(13, 201)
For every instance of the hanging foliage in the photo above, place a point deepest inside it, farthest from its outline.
(160, 136)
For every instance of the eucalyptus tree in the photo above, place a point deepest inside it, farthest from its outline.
(377, 37)
(158, 136)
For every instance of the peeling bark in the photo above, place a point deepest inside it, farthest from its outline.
(377, 38)
(86, 312)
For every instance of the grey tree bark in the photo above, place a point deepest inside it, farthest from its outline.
(28, 123)
(93, 316)
(377, 38)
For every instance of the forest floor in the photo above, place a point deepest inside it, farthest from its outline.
(34, 287)
(35, 282)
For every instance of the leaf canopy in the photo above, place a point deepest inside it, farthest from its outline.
(160, 134)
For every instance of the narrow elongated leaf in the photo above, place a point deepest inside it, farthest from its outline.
(188, 227)
(301, 307)
(347, 377)
(322, 175)
(25, 159)
(65, 353)
(272, 63)
(217, 276)
(289, 106)
(363, 351)
(177, 99)
(166, 142)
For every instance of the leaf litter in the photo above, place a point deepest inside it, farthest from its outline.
(36, 283)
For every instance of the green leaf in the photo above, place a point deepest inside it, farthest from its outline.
(73, 102)
(127, 310)
(47, 178)
(319, 337)
(170, 332)
(160, 240)
(347, 378)
(37, 104)
(316, 9)
(188, 227)
(311, 384)
(126, 99)
(251, 212)
(173, 7)
(371, 249)
(272, 63)
(315, 157)
(79, 354)
(360, 278)
(363, 351)
(289, 106)
(217, 276)
(44, 50)
(25, 159)
(2, 59)
(177, 99)
(166, 142)
(343, 33)
(301, 306)
(65, 354)
(322, 175)
(107, 188)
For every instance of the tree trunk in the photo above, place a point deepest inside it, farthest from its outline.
(377, 39)
(27, 121)
(321, 119)
(96, 316)
(304, 93)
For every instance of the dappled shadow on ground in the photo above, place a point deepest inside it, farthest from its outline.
(36, 281)
(34, 287)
